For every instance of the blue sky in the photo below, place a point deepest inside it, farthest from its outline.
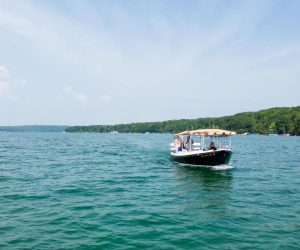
(105, 62)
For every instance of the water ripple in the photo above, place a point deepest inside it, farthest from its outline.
(103, 191)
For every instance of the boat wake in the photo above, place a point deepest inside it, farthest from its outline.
(216, 167)
(222, 167)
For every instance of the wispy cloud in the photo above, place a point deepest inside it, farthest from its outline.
(104, 98)
(4, 88)
(148, 53)
(4, 73)
(7, 84)
(80, 97)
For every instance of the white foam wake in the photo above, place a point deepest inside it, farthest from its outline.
(222, 167)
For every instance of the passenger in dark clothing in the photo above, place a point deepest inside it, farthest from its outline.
(212, 146)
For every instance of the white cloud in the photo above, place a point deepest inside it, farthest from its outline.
(5, 86)
(104, 98)
(280, 55)
(4, 73)
(23, 82)
(69, 91)
(9, 84)
(80, 97)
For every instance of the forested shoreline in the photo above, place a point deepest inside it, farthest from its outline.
(285, 120)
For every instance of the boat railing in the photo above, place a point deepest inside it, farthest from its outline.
(194, 147)
(199, 146)
(224, 145)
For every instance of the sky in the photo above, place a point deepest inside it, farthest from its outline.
(71, 62)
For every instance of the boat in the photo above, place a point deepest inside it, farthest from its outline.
(185, 150)
(114, 132)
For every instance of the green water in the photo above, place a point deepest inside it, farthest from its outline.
(120, 191)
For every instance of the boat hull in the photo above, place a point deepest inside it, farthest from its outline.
(210, 158)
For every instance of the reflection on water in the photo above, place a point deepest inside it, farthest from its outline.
(112, 191)
(211, 188)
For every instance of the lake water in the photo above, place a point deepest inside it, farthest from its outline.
(120, 191)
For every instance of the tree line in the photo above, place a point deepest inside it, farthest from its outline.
(284, 120)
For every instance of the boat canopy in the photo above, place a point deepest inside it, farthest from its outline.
(206, 132)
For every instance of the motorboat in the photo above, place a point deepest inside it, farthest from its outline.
(189, 147)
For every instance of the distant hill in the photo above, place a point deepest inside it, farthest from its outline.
(33, 128)
(274, 120)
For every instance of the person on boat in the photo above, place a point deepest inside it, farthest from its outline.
(181, 144)
(189, 142)
(178, 144)
(212, 146)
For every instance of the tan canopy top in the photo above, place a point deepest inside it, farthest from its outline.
(206, 132)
